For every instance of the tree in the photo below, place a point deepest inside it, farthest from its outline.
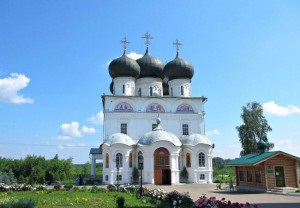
(255, 128)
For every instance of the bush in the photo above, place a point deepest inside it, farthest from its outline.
(184, 175)
(176, 199)
(111, 187)
(68, 186)
(19, 204)
(57, 186)
(120, 202)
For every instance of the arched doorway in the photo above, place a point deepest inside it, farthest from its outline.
(162, 171)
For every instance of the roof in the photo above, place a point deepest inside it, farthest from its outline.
(95, 151)
(256, 158)
(195, 139)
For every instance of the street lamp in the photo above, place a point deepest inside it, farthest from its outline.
(141, 167)
(118, 168)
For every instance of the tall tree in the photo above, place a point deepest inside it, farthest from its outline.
(255, 127)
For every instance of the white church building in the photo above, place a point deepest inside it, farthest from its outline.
(152, 115)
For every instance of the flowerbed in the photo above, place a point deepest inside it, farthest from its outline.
(157, 197)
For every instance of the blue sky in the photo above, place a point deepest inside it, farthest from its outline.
(54, 59)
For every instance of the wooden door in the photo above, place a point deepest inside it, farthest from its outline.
(162, 171)
(279, 176)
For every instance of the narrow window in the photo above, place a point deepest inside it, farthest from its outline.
(171, 91)
(130, 160)
(202, 177)
(119, 177)
(154, 126)
(151, 91)
(249, 176)
(140, 92)
(119, 160)
(242, 176)
(201, 159)
(257, 176)
(106, 160)
(185, 129)
(188, 160)
(123, 89)
(106, 177)
(123, 128)
(181, 90)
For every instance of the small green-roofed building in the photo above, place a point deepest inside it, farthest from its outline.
(262, 171)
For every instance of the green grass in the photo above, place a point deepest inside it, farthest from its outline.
(74, 198)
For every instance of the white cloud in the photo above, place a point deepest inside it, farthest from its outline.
(67, 131)
(87, 130)
(134, 55)
(287, 145)
(277, 110)
(96, 119)
(10, 86)
(61, 147)
(76, 145)
(213, 132)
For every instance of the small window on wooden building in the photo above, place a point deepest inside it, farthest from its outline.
(249, 176)
(241, 175)
(258, 176)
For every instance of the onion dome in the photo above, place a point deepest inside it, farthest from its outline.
(195, 139)
(150, 66)
(118, 138)
(261, 146)
(111, 87)
(178, 69)
(165, 86)
(158, 134)
(124, 67)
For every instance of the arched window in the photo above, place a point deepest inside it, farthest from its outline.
(119, 160)
(188, 160)
(181, 90)
(201, 159)
(106, 160)
(130, 159)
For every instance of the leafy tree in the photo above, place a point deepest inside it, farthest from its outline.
(255, 127)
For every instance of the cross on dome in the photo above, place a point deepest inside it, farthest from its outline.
(147, 38)
(124, 42)
(177, 45)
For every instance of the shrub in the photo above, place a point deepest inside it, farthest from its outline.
(68, 186)
(206, 202)
(176, 199)
(57, 186)
(120, 202)
(24, 203)
(184, 175)
(111, 187)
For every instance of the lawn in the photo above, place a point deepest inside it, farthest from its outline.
(73, 198)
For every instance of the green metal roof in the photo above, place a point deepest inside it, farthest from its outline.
(256, 158)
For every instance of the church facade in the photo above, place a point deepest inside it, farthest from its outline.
(151, 122)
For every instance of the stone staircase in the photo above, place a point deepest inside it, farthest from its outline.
(282, 190)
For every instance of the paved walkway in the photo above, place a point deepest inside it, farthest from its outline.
(263, 200)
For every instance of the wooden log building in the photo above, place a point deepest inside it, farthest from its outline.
(263, 171)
